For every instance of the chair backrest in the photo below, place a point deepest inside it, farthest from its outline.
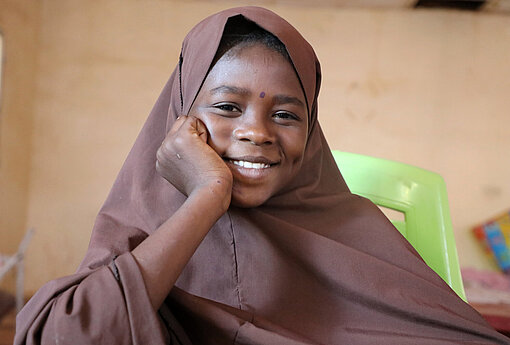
(421, 196)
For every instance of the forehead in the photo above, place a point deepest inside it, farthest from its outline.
(201, 44)
(256, 67)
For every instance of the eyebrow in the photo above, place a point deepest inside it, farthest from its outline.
(230, 89)
(285, 99)
(278, 99)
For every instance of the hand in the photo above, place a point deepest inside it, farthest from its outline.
(186, 161)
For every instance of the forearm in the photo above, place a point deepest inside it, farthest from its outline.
(164, 254)
(103, 306)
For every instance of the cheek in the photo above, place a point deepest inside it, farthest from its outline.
(220, 132)
(295, 147)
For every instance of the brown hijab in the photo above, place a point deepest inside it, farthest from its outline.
(314, 265)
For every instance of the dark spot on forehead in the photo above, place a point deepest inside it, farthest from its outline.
(262, 94)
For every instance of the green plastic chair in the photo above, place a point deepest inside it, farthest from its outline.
(421, 196)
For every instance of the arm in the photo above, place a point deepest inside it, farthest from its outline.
(193, 167)
(118, 305)
(163, 255)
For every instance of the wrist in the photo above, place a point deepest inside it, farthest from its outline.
(215, 197)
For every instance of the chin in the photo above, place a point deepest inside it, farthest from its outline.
(243, 202)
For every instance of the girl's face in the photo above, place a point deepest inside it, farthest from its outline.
(255, 111)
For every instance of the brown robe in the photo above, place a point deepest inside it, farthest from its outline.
(314, 265)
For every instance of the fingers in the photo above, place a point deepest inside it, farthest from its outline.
(192, 125)
(190, 122)
(185, 134)
(186, 160)
(177, 124)
(199, 129)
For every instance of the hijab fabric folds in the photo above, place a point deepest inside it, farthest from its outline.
(314, 265)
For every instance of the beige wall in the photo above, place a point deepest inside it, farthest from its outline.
(427, 88)
(423, 87)
(18, 24)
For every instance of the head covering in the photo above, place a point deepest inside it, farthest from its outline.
(315, 264)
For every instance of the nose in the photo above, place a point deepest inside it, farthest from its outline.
(254, 129)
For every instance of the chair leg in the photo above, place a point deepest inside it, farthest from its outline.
(20, 276)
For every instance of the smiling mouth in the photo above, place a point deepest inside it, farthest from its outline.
(251, 162)
(250, 165)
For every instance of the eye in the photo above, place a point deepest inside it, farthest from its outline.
(284, 115)
(227, 107)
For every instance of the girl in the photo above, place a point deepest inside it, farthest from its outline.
(231, 224)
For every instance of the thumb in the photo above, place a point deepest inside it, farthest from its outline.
(200, 129)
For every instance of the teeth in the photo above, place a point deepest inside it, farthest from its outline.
(251, 165)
